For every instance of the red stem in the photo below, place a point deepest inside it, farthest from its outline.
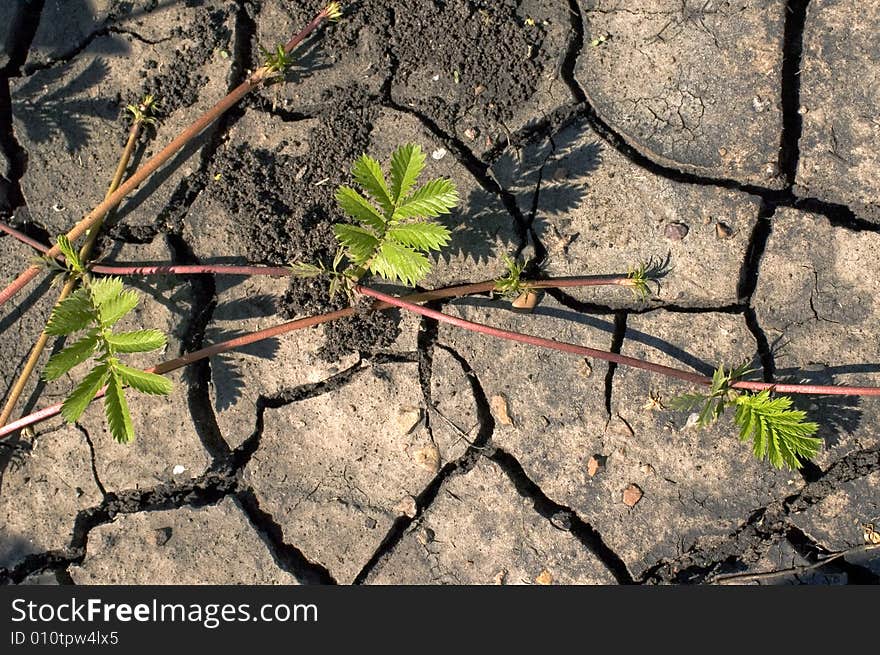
(584, 351)
(384, 301)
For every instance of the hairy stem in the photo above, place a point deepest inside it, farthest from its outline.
(251, 83)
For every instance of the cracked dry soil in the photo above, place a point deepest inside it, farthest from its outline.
(725, 136)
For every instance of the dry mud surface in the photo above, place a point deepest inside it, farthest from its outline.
(727, 139)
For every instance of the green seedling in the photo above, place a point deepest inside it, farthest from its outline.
(777, 432)
(392, 230)
(511, 285)
(94, 309)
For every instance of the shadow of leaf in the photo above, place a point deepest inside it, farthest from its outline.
(43, 114)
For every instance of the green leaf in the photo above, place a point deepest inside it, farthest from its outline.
(71, 315)
(144, 382)
(115, 308)
(359, 243)
(429, 201)
(407, 163)
(76, 402)
(139, 341)
(73, 355)
(368, 174)
(687, 401)
(70, 254)
(105, 289)
(777, 432)
(359, 208)
(306, 270)
(424, 236)
(116, 410)
(396, 262)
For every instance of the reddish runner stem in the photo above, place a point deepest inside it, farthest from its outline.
(384, 301)
(623, 360)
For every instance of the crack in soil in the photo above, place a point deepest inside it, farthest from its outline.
(558, 515)
(617, 338)
(748, 542)
(93, 459)
(460, 466)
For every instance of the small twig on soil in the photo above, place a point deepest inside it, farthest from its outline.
(794, 571)
(141, 117)
(251, 83)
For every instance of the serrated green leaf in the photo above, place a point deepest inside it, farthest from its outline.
(72, 314)
(407, 163)
(115, 308)
(360, 244)
(75, 404)
(69, 253)
(425, 236)
(368, 174)
(105, 289)
(777, 432)
(139, 341)
(306, 270)
(687, 401)
(359, 208)
(144, 382)
(396, 262)
(435, 198)
(73, 355)
(116, 410)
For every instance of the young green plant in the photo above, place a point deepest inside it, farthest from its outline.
(94, 309)
(777, 432)
(392, 231)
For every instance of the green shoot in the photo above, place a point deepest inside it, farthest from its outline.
(276, 62)
(392, 230)
(333, 11)
(143, 111)
(94, 309)
(777, 432)
(511, 285)
(638, 277)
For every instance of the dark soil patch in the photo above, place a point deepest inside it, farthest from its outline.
(488, 57)
(287, 208)
(178, 86)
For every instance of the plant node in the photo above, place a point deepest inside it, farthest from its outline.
(511, 284)
(333, 11)
(777, 432)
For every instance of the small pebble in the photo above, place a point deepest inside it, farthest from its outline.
(526, 302)
(438, 154)
(428, 458)
(632, 495)
(544, 577)
(407, 507)
(723, 231)
(479, 89)
(178, 469)
(472, 133)
(676, 231)
(163, 535)
(596, 464)
(408, 418)
(498, 405)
